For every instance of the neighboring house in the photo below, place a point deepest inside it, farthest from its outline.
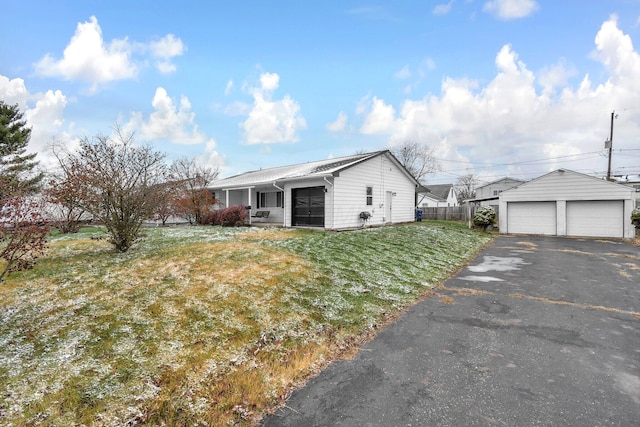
(568, 203)
(341, 193)
(632, 181)
(437, 196)
(488, 194)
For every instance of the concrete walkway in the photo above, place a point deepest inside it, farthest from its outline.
(534, 331)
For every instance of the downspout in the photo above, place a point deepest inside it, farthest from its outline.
(284, 216)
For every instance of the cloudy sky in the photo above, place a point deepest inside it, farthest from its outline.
(495, 87)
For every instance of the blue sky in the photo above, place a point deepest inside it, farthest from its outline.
(494, 87)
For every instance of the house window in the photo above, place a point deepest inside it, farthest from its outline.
(496, 192)
(273, 199)
(369, 196)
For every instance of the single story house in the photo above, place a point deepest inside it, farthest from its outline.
(568, 203)
(437, 196)
(340, 193)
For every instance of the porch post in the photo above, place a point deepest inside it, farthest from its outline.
(226, 198)
(249, 203)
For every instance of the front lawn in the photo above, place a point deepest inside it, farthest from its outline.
(203, 325)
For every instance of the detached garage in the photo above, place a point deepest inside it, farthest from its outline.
(567, 203)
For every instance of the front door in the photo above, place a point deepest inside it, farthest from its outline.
(388, 207)
(308, 207)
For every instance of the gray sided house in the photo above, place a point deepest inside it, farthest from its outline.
(567, 203)
(488, 194)
(333, 194)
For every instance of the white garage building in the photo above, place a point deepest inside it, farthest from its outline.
(568, 203)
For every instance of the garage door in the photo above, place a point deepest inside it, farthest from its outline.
(595, 218)
(531, 218)
(308, 207)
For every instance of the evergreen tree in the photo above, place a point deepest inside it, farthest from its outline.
(16, 166)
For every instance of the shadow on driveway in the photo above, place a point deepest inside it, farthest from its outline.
(534, 331)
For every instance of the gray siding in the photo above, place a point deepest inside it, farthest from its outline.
(499, 186)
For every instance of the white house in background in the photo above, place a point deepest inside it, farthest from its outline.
(437, 196)
(488, 194)
(340, 193)
(568, 203)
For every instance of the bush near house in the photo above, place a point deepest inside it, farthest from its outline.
(635, 218)
(233, 216)
(484, 217)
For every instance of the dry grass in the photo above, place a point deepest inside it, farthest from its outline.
(202, 326)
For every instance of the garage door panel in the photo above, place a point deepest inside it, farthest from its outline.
(597, 218)
(531, 218)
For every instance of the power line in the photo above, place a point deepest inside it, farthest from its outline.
(524, 161)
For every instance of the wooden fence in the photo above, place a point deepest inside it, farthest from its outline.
(455, 213)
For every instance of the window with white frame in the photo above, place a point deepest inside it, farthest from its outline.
(369, 196)
(270, 199)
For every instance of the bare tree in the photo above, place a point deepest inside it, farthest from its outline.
(169, 204)
(23, 230)
(466, 187)
(417, 158)
(194, 178)
(63, 204)
(117, 182)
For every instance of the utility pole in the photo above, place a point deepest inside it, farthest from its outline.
(610, 144)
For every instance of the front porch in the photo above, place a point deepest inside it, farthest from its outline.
(265, 204)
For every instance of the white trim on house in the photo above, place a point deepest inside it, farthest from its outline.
(344, 181)
(583, 206)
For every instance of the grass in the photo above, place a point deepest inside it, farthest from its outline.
(203, 325)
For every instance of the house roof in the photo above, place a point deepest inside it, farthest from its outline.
(439, 192)
(317, 169)
(596, 184)
(505, 179)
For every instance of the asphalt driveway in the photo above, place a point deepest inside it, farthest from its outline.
(534, 331)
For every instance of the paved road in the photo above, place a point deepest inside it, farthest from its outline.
(536, 331)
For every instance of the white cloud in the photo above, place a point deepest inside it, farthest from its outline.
(210, 157)
(520, 115)
(380, 119)
(404, 73)
(269, 81)
(89, 58)
(555, 76)
(442, 8)
(43, 112)
(13, 91)
(238, 108)
(272, 121)
(175, 124)
(417, 76)
(339, 124)
(510, 9)
(165, 49)
(228, 88)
